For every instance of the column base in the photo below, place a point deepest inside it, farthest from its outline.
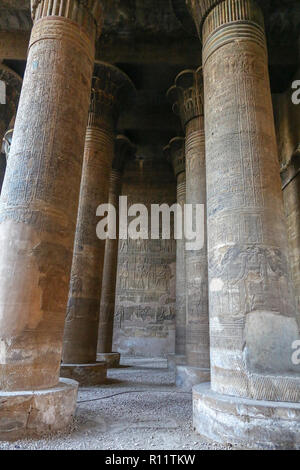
(112, 359)
(244, 422)
(36, 412)
(188, 376)
(85, 374)
(174, 359)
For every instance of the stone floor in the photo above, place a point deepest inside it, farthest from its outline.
(140, 408)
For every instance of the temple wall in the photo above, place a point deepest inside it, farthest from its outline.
(145, 298)
(287, 118)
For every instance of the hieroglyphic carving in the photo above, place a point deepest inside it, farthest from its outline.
(290, 176)
(187, 97)
(13, 85)
(111, 89)
(175, 154)
(124, 152)
(145, 300)
(250, 297)
(6, 146)
(45, 156)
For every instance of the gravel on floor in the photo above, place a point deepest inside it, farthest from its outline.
(138, 409)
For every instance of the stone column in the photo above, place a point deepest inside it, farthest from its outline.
(124, 151)
(110, 88)
(290, 177)
(7, 139)
(175, 154)
(13, 85)
(253, 322)
(38, 208)
(187, 98)
(2, 168)
(5, 149)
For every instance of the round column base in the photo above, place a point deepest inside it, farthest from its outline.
(112, 359)
(244, 422)
(27, 414)
(188, 376)
(86, 375)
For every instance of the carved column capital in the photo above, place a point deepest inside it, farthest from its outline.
(187, 95)
(111, 89)
(228, 10)
(125, 150)
(84, 12)
(175, 154)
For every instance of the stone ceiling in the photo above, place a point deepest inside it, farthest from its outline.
(146, 40)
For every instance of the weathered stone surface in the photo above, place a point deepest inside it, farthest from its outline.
(6, 145)
(13, 83)
(251, 302)
(124, 151)
(254, 424)
(290, 176)
(34, 413)
(187, 98)
(201, 9)
(175, 154)
(87, 375)
(37, 218)
(145, 296)
(109, 89)
(174, 359)
(187, 376)
(287, 120)
(112, 359)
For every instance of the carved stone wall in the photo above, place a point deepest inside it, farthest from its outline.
(287, 119)
(145, 298)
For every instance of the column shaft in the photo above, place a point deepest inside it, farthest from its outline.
(107, 307)
(197, 328)
(180, 333)
(81, 329)
(175, 154)
(187, 98)
(38, 205)
(111, 89)
(252, 314)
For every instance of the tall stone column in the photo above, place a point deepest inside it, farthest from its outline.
(5, 149)
(38, 208)
(7, 139)
(110, 89)
(124, 151)
(255, 384)
(290, 177)
(175, 154)
(13, 85)
(187, 98)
